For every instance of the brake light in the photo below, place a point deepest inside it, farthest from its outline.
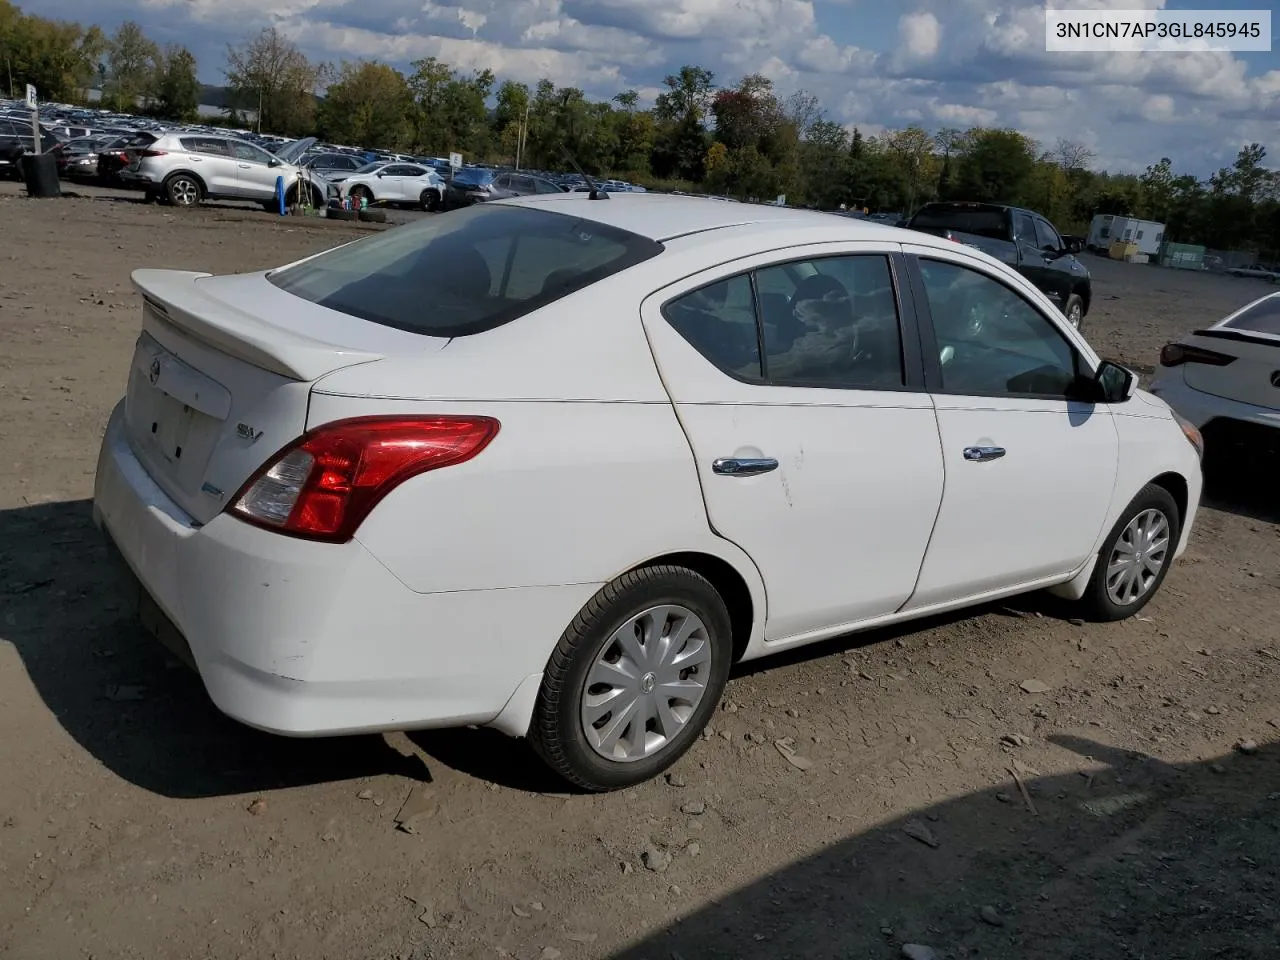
(1176, 354)
(150, 153)
(323, 485)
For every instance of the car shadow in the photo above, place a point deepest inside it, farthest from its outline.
(1243, 485)
(1127, 857)
(119, 693)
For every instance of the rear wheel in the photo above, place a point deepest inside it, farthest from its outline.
(430, 201)
(634, 678)
(183, 190)
(1135, 557)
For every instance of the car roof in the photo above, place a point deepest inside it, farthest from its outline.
(664, 217)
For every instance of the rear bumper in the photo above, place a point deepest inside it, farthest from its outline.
(308, 639)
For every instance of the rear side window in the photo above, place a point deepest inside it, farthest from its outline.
(467, 271)
(210, 145)
(1262, 317)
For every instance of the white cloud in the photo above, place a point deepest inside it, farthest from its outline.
(950, 62)
(921, 34)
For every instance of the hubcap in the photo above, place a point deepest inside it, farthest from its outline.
(1138, 557)
(184, 191)
(646, 683)
(1074, 316)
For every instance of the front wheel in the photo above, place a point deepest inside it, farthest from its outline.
(1073, 309)
(1135, 557)
(361, 193)
(634, 678)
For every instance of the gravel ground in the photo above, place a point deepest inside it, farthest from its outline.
(1114, 815)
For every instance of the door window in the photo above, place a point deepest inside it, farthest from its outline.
(991, 341)
(839, 326)
(719, 321)
(247, 151)
(1046, 237)
(546, 186)
(1026, 229)
(207, 145)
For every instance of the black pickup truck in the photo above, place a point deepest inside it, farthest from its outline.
(1021, 238)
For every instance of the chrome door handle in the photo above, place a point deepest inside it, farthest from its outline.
(244, 166)
(983, 454)
(744, 467)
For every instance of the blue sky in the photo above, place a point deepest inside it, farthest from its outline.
(880, 66)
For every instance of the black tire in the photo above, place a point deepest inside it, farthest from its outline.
(373, 216)
(1097, 603)
(337, 213)
(430, 200)
(1074, 303)
(557, 733)
(183, 190)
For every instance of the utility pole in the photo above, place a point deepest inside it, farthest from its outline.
(522, 135)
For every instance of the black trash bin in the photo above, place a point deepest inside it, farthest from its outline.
(40, 171)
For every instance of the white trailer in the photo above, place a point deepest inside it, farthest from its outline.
(1106, 229)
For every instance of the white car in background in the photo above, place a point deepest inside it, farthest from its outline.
(1226, 379)
(396, 183)
(553, 464)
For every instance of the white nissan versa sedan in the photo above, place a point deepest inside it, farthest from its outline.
(553, 464)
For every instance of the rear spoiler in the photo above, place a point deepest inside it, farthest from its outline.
(175, 298)
(1239, 336)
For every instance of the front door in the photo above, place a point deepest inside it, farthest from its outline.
(1030, 471)
(815, 443)
(256, 177)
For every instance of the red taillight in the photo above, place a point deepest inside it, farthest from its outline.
(1176, 354)
(323, 485)
(149, 153)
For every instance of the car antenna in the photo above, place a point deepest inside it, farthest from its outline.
(596, 193)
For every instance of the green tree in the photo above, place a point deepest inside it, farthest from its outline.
(270, 75)
(427, 83)
(132, 60)
(177, 87)
(369, 103)
(995, 165)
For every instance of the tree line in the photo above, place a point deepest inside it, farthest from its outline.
(745, 139)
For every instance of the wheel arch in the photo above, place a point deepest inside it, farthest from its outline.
(729, 583)
(1178, 488)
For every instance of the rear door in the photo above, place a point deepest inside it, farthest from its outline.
(1030, 471)
(211, 159)
(814, 440)
(397, 183)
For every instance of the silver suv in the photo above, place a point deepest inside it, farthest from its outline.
(186, 168)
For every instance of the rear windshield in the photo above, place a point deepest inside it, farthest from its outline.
(982, 223)
(473, 175)
(466, 271)
(1262, 317)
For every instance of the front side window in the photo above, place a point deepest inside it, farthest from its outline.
(991, 341)
(465, 273)
(1047, 237)
(247, 151)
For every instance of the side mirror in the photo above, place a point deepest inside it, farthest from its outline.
(274, 162)
(1116, 384)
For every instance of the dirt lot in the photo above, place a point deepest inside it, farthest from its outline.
(136, 821)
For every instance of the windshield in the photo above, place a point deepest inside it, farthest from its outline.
(369, 168)
(982, 223)
(467, 271)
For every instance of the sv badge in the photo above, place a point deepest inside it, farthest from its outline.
(246, 432)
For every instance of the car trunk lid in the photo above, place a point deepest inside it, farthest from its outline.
(215, 387)
(1252, 336)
